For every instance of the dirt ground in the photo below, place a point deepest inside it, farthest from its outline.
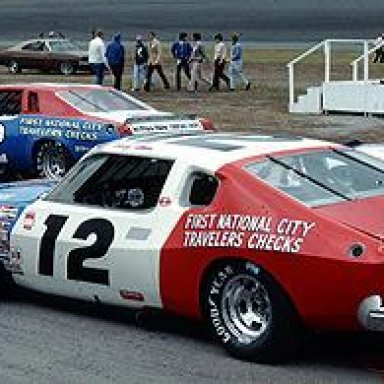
(262, 109)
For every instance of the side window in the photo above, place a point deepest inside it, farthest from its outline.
(10, 102)
(33, 102)
(113, 181)
(35, 46)
(203, 189)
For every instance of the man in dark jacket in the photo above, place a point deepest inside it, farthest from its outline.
(181, 51)
(140, 64)
(115, 55)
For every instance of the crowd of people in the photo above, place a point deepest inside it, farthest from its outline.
(189, 57)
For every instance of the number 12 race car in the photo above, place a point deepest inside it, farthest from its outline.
(45, 128)
(257, 235)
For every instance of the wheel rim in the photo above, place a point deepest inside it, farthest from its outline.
(53, 164)
(13, 67)
(66, 68)
(246, 308)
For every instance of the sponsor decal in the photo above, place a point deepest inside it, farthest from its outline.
(263, 233)
(61, 128)
(165, 201)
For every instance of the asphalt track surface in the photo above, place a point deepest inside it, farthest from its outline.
(258, 20)
(49, 340)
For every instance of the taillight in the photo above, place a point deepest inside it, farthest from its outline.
(124, 129)
(207, 124)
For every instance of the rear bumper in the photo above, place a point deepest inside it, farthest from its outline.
(371, 313)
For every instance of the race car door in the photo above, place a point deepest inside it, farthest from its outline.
(99, 233)
(10, 109)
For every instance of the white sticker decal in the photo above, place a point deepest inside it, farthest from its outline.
(2, 132)
(253, 232)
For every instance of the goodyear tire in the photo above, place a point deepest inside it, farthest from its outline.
(67, 68)
(14, 67)
(249, 314)
(8, 287)
(52, 160)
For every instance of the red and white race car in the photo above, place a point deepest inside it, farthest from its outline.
(255, 234)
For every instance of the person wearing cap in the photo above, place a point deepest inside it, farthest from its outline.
(115, 54)
(96, 57)
(154, 62)
(140, 59)
(235, 69)
(181, 51)
(220, 57)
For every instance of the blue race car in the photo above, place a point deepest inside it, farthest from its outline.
(45, 128)
(14, 197)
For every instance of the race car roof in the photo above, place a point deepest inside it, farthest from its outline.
(208, 149)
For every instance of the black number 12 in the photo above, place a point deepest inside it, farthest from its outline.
(104, 231)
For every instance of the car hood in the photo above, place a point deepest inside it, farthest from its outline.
(365, 215)
(122, 116)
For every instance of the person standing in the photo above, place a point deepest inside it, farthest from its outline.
(235, 70)
(220, 56)
(96, 57)
(198, 57)
(154, 62)
(140, 64)
(379, 52)
(115, 55)
(181, 51)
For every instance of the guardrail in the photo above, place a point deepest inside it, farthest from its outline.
(365, 56)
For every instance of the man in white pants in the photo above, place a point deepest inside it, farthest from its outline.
(197, 59)
(235, 70)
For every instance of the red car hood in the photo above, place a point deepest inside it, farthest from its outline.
(366, 215)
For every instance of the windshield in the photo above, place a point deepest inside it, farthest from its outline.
(62, 46)
(323, 177)
(100, 100)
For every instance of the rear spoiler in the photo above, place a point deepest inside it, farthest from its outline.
(165, 123)
(159, 118)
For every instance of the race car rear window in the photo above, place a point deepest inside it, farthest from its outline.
(99, 100)
(10, 102)
(323, 177)
(113, 181)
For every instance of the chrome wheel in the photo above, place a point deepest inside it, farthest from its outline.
(14, 67)
(67, 68)
(246, 308)
(53, 164)
(51, 161)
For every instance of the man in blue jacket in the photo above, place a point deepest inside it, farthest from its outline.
(115, 55)
(235, 70)
(181, 51)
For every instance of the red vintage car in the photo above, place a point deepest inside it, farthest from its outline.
(258, 235)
